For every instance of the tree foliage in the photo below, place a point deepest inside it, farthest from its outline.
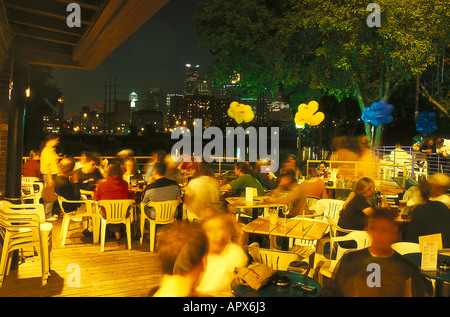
(317, 47)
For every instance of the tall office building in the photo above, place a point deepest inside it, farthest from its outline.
(194, 84)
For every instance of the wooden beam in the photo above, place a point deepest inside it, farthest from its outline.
(48, 9)
(119, 20)
(20, 19)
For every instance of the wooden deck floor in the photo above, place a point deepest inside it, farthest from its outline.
(116, 272)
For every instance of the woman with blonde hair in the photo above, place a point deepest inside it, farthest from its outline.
(356, 209)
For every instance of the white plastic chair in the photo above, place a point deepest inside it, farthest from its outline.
(37, 213)
(325, 264)
(188, 214)
(31, 189)
(165, 214)
(276, 259)
(116, 211)
(68, 216)
(406, 247)
(329, 207)
(21, 229)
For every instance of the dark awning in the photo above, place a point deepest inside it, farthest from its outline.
(41, 34)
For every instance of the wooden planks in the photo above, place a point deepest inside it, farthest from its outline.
(116, 272)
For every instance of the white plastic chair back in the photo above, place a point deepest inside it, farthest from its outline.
(37, 209)
(406, 247)
(165, 210)
(311, 201)
(116, 210)
(277, 260)
(31, 189)
(188, 214)
(361, 238)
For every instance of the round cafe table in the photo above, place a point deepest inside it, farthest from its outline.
(439, 275)
(273, 290)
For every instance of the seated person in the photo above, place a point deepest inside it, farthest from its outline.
(181, 250)
(439, 184)
(32, 167)
(203, 190)
(131, 174)
(295, 193)
(157, 156)
(292, 163)
(400, 156)
(244, 179)
(223, 256)
(322, 170)
(356, 209)
(357, 274)
(314, 186)
(267, 180)
(88, 175)
(162, 189)
(81, 162)
(67, 185)
(430, 218)
(114, 187)
(188, 166)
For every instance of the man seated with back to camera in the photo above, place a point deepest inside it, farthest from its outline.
(162, 189)
(433, 217)
(67, 185)
(378, 271)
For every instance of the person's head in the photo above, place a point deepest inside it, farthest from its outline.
(181, 248)
(159, 170)
(429, 142)
(33, 154)
(204, 169)
(416, 147)
(398, 146)
(241, 168)
(66, 166)
(365, 186)
(383, 231)
(287, 177)
(363, 142)
(114, 169)
(439, 184)
(90, 164)
(292, 159)
(130, 165)
(219, 228)
(439, 142)
(322, 166)
(50, 140)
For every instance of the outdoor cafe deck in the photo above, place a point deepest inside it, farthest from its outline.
(117, 272)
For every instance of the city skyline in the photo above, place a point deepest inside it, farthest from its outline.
(154, 57)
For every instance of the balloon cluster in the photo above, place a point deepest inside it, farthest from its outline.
(240, 112)
(426, 122)
(307, 113)
(378, 113)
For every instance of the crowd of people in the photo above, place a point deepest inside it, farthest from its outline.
(194, 255)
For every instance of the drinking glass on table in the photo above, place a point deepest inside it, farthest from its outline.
(285, 210)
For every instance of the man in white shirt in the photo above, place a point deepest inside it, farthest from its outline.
(443, 147)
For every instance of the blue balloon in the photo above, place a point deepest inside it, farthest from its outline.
(426, 122)
(378, 113)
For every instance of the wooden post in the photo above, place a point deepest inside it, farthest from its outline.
(20, 80)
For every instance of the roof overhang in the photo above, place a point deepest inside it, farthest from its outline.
(41, 34)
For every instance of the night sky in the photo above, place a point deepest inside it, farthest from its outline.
(153, 57)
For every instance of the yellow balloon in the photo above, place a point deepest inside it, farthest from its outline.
(307, 113)
(317, 119)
